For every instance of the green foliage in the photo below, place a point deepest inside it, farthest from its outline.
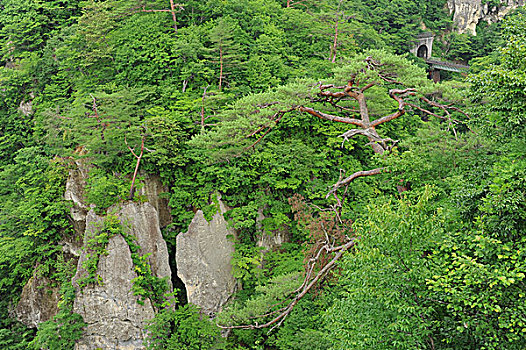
(25, 25)
(228, 51)
(15, 336)
(478, 272)
(396, 22)
(103, 122)
(96, 247)
(182, 329)
(246, 261)
(303, 329)
(33, 218)
(266, 297)
(98, 73)
(33, 187)
(479, 281)
(104, 190)
(501, 88)
(382, 283)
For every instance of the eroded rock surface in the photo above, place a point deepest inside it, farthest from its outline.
(468, 13)
(115, 318)
(153, 190)
(38, 302)
(270, 240)
(203, 257)
(142, 221)
(75, 185)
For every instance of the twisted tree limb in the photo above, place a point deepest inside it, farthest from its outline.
(353, 91)
(349, 179)
(309, 282)
(331, 117)
(138, 157)
(334, 95)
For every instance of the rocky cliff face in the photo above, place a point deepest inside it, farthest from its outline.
(203, 257)
(115, 318)
(468, 13)
(38, 302)
(153, 190)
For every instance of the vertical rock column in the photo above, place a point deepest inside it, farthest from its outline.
(203, 257)
(468, 13)
(114, 317)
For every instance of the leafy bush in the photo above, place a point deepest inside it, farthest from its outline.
(182, 329)
(104, 190)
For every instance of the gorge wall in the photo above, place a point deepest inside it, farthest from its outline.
(468, 13)
(115, 317)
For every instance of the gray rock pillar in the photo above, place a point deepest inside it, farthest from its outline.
(203, 257)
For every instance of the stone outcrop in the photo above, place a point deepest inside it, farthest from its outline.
(203, 257)
(153, 190)
(468, 13)
(142, 221)
(269, 240)
(114, 317)
(272, 240)
(75, 194)
(38, 302)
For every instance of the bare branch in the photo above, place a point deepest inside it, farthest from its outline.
(138, 157)
(172, 10)
(370, 133)
(307, 285)
(331, 117)
(397, 95)
(373, 65)
(356, 175)
(368, 86)
(131, 149)
(97, 117)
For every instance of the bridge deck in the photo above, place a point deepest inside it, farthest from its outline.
(449, 66)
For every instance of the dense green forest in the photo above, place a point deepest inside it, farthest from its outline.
(312, 113)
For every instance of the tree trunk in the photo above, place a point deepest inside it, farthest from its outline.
(172, 6)
(335, 43)
(220, 66)
(138, 157)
